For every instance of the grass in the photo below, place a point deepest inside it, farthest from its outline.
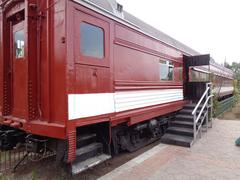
(6, 177)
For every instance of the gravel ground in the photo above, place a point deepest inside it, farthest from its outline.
(46, 170)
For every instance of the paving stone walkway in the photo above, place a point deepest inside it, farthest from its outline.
(214, 156)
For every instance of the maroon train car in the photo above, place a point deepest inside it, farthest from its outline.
(86, 78)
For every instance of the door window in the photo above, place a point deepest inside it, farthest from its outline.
(19, 44)
(92, 40)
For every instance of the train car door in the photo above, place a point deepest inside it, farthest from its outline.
(91, 53)
(19, 71)
(93, 85)
(193, 90)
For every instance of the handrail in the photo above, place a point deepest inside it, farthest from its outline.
(199, 102)
(196, 126)
(200, 113)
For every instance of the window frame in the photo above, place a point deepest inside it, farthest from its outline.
(169, 65)
(79, 18)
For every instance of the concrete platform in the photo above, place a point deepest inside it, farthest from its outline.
(214, 156)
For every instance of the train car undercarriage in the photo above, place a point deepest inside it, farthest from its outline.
(93, 144)
(17, 147)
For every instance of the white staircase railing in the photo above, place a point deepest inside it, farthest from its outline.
(203, 115)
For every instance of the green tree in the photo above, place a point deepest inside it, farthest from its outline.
(235, 67)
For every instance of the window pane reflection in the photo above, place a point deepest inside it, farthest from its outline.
(166, 70)
(19, 44)
(92, 41)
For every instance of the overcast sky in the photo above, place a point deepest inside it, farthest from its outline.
(208, 26)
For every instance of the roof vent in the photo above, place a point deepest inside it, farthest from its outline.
(109, 5)
(117, 8)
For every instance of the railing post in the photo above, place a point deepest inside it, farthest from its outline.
(207, 94)
(211, 106)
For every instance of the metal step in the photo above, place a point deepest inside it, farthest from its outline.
(180, 131)
(188, 111)
(85, 139)
(78, 167)
(187, 118)
(184, 117)
(89, 151)
(191, 106)
(179, 123)
(179, 140)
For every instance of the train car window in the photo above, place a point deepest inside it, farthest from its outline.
(196, 76)
(92, 40)
(166, 70)
(19, 44)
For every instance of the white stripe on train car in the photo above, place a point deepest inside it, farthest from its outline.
(88, 105)
(138, 99)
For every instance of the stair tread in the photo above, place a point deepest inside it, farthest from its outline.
(192, 105)
(176, 137)
(183, 129)
(79, 167)
(188, 111)
(187, 116)
(191, 110)
(86, 149)
(182, 122)
(179, 140)
(86, 136)
(184, 116)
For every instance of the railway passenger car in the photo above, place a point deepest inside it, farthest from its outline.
(85, 79)
(221, 77)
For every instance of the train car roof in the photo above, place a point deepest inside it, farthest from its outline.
(220, 70)
(216, 69)
(148, 29)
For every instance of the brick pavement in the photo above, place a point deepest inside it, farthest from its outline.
(214, 156)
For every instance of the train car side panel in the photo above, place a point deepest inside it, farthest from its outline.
(133, 55)
(1, 63)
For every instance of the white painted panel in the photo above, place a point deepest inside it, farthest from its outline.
(87, 105)
(137, 99)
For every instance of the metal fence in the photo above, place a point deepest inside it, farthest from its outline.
(10, 160)
(225, 105)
